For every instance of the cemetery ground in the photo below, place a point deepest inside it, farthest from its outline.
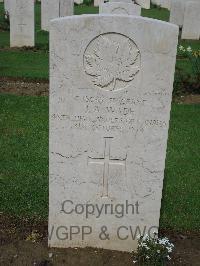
(24, 160)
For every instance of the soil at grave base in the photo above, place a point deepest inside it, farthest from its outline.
(41, 88)
(23, 242)
(24, 87)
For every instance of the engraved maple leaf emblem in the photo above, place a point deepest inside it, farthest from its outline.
(109, 61)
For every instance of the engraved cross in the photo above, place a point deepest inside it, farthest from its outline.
(106, 161)
(21, 25)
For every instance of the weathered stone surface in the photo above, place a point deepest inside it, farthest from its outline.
(51, 9)
(143, 3)
(66, 8)
(177, 12)
(166, 4)
(22, 23)
(7, 5)
(111, 80)
(98, 2)
(122, 1)
(120, 8)
(191, 23)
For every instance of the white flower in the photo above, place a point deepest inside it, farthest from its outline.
(158, 251)
(164, 241)
(161, 241)
(168, 257)
(147, 257)
(138, 237)
(181, 48)
(143, 245)
(169, 249)
(134, 261)
(146, 237)
(189, 49)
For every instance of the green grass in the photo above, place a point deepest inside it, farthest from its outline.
(156, 13)
(81, 9)
(181, 205)
(24, 161)
(24, 155)
(32, 64)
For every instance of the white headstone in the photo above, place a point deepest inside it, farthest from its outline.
(122, 1)
(66, 8)
(78, 2)
(98, 2)
(111, 80)
(22, 23)
(144, 3)
(51, 9)
(166, 4)
(7, 5)
(120, 8)
(177, 12)
(191, 23)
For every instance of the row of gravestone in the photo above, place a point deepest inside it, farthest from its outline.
(143, 3)
(22, 18)
(22, 24)
(186, 14)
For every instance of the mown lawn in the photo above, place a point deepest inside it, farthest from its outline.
(24, 161)
(33, 63)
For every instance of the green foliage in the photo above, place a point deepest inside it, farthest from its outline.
(193, 56)
(30, 64)
(153, 251)
(157, 13)
(83, 9)
(88, 2)
(187, 82)
(4, 21)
